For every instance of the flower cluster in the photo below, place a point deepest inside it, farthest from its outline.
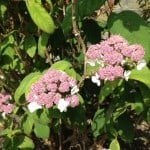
(114, 55)
(55, 87)
(5, 106)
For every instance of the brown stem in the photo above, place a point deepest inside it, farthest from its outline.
(48, 57)
(60, 136)
(79, 38)
(21, 58)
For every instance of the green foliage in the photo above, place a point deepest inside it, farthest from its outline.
(107, 89)
(26, 143)
(42, 44)
(19, 142)
(3, 9)
(132, 27)
(114, 145)
(25, 84)
(148, 116)
(141, 75)
(28, 125)
(98, 122)
(30, 46)
(83, 8)
(43, 20)
(41, 131)
(92, 31)
(125, 128)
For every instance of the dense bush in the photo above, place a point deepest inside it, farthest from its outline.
(69, 80)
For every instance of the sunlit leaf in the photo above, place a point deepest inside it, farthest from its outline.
(141, 75)
(42, 44)
(40, 16)
(26, 143)
(114, 145)
(30, 46)
(28, 125)
(41, 131)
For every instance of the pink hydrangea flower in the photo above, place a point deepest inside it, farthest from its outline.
(113, 55)
(5, 106)
(138, 52)
(93, 52)
(111, 72)
(52, 89)
(73, 100)
(113, 58)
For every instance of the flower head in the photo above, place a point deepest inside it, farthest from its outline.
(5, 106)
(52, 89)
(113, 55)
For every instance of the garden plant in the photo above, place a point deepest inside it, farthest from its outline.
(74, 74)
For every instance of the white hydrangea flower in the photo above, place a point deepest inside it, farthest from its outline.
(62, 105)
(127, 74)
(95, 79)
(4, 115)
(33, 106)
(141, 64)
(74, 90)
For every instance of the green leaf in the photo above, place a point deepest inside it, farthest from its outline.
(148, 116)
(61, 65)
(7, 57)
(26, 143)
(9, 51)
(118, 113)
(132, 27)
(83, 8)
(42, 44)
(145, 91)
(125, 127)
(40, 16)
(25, 84)
(114, 145)
(41, 116)
(141, 75)
(76, 117)
(92, 31)
(3, 9)
(91, 69)
(6, 132)
(98, 122)
(41, 131)
(30, 46)
(108, 88)
(6, 42)
(86, 8)
(28, 125)
(138, 106)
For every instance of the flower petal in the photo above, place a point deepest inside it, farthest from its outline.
(62, 105)
(33, 106)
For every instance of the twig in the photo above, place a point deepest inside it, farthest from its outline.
(21, 58)
(60, 138)
(79, 38)
(48, 57)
